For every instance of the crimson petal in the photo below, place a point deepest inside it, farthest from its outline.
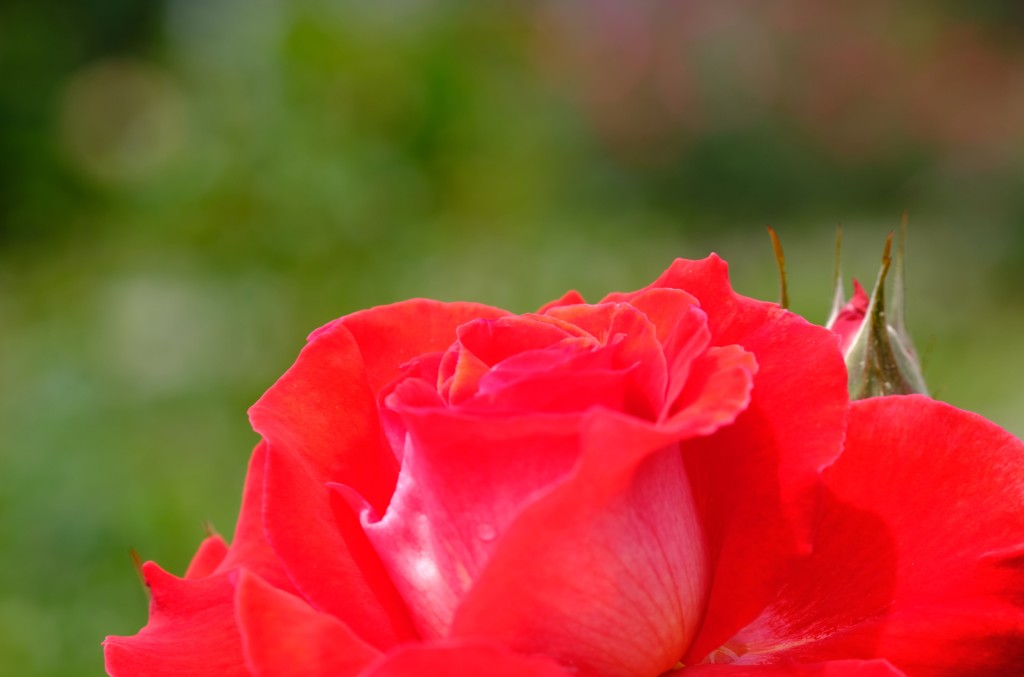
(320, 424)
(757, 481)
(282, 636)
(605, 573)
(463, 480)
(389, 336)
(250, 547)
(569, 298)
(920, 552)
(208, 557)
(191, 631)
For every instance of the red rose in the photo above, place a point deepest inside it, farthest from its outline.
(663, 482)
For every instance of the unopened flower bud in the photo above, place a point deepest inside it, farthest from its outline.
(880, 357)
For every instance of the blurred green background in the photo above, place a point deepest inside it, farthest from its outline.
(188, 187)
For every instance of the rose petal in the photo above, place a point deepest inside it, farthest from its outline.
(322, 410)
(570, 298)
(817, 606)
(542, 587)
(682, 330)
(466, 371)
(717, 388)
(757, 481)
(328, 557)
(191, 631)
(250, 547)
(574, 387)
(559, 380)
(319, 422)
(463, 480)
(492, 341)
(851, 316)
(572, 359)
(607, 572)
(208, 557)
(282, 636)
(462, 658)
(389, 336)
(931, 574)
(633, 339)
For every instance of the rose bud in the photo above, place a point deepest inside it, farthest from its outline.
(880, 357)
